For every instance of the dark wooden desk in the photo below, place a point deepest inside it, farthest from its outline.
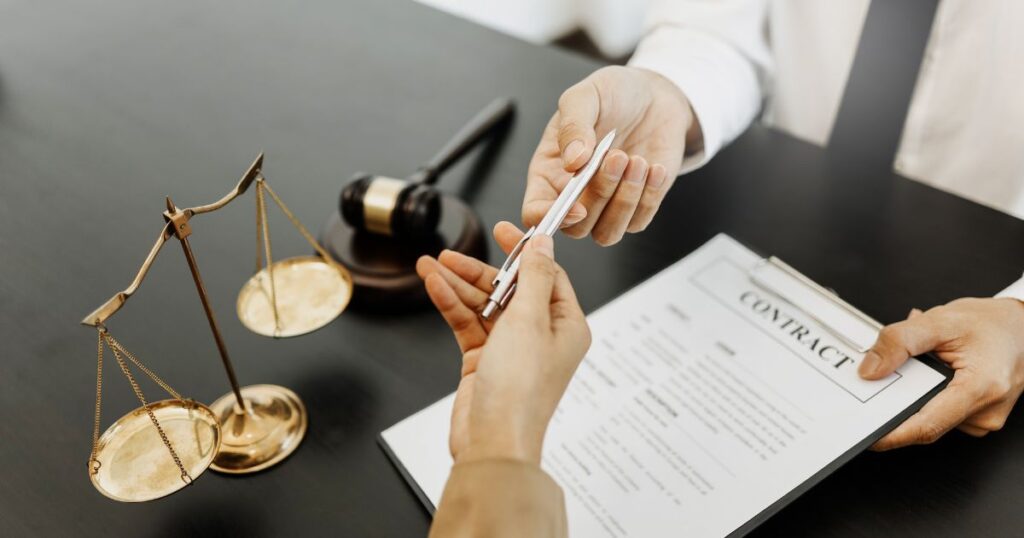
(105, 108)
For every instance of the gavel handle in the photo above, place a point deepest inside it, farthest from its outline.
(492, 115)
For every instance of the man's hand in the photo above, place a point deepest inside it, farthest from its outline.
(983, 340)
(654, 123)
(515, 369)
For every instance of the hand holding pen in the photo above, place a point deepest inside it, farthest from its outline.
(655, 129)
(505, 281)
(512, 379)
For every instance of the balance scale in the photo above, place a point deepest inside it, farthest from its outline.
(162, 446)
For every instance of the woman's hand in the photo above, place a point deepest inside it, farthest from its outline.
(983, 340)
(515, 369)
(654, 124)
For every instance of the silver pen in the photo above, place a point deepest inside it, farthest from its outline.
(505, 281)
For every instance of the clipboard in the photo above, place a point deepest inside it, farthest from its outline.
(775, 278)
(826, 307)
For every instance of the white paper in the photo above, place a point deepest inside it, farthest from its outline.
(703, 400)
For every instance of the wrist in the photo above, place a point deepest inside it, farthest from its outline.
(1018, 308)
(1015, 320)
(694, 134)
(502, 443)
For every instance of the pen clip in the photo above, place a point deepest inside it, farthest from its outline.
(512, 255)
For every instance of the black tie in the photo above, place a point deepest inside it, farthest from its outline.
(870, 121)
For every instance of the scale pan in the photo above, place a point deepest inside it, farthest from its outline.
(310, 294)
(136, 466)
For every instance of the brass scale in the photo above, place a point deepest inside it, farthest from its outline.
(162, 446)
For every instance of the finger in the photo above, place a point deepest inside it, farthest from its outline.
(942, 413)
(507, 235)
(567, 317)
(535, 208)
(578, 109)
(650, 201)
(541, 194)
(482, 275)
(544, 179)
(611, 225)
(469, 269)
(898, 342)
(536, 280)
(973, 431)
(564, 304)
(469, 294)
(465, 324)
(599, 192)
(993, 417)
(576, 213)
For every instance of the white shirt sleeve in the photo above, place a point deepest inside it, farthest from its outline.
(717, 54)
(1016, 290)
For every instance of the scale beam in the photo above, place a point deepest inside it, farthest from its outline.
(100, 315)
(243, 185)
(106, 310)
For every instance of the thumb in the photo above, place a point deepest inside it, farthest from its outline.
(920, 333)
(536, 279)
(578, 109)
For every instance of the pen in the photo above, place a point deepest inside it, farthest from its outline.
(505, 281)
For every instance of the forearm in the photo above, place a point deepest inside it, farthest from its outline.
(500, 498)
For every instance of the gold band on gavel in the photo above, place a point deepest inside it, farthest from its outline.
(379, 203)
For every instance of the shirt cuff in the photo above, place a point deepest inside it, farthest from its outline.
(1015, 291)
(721, 85)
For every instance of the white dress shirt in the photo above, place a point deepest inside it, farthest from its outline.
(964, 131)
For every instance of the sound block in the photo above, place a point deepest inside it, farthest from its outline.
(384, 269)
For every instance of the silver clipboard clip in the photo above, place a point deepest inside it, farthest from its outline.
(839, 318)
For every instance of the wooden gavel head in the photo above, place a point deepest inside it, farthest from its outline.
(393, 207)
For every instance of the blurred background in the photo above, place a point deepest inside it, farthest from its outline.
(604, 29)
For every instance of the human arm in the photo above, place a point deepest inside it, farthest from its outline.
(982, 340)
(514, 372)
(693, 85)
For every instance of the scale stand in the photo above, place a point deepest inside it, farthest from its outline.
(256, 426)
(260, 424)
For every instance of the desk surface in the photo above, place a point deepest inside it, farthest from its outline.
(105, 108)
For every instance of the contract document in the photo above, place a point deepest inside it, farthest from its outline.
(713, 394)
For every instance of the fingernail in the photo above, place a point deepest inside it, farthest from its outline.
(575, 215)
(544, 245)
(870, 365)
(616, 165)
(637, 170)
(572, 152)
(657, 176)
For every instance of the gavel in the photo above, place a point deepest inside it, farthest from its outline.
(411, 207)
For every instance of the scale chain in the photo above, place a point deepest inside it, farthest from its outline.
(298, 225)
(116, 348)
(95, 464)
(261, 205)
(147, 371)
(259, 230)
